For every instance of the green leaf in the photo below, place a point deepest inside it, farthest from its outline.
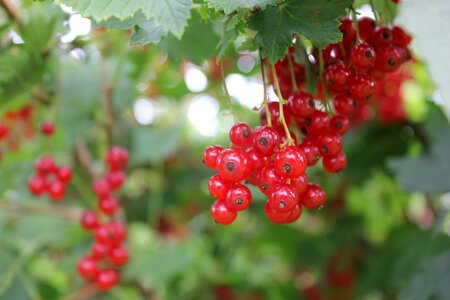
(116, 23)
(228, 6)
(147, 33)
(425, 22)
(317, 20)
(229, 36)
(102, 10)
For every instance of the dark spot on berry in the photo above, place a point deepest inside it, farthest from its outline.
(304, 131)
(263, 141)
(311, 103)
(238, 201)
(373, 24)
(282, 204)
(391, 62)
(330, 81)
(368, 96)
(264, 186)
(245, 133)
(230, 166)
(287, 168)
(316, 157)
(324, 149)
(338, 125)
(368, 54)
(308, 121)
(355, 103)
(386, 35)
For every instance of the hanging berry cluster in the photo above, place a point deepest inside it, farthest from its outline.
(272, 156)
(108, 253)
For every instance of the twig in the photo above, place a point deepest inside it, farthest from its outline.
(12, 10)
(107, 104)
(266, 94)
(84, 157)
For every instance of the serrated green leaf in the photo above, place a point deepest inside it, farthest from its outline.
(116, 23)
(317, 20)
(147, 33)
(228, 37)
(102, 10)
(229, 6)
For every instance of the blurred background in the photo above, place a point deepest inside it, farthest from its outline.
(383, 233)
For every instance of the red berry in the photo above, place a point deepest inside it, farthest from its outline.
(300, 184)
(290, 162)
(366, 28)
(313, 197)
(4, 131)
(101, 188)
(45, 165)
(331, 53)
(363, 56)
(283, 198)
(265, 140)
(64, 174)
(47, 128)
(400, 37)
(294, 214)
(363, 87)
(99, 250)
(330, 144)
(337, 77)
(312, 152)
(87, 268)
(241, 135)
(388, 59)
(268, 178)
(210, 155)
(238, 197)
(340, 124)
(274, 215)
(118, 256)
(381, 37)
(112, 233)
(106, 279)
(274, 108)
(56, 190)
(117, 158)
(89, 220)
(301, 104)
(348, 32)
(316, 123)
(335, 164)
(115, 179)
(37, 185)
(222, 214)
(233, 164)
(218, 187)
(344, 104)
(108, 205)
(258, 162)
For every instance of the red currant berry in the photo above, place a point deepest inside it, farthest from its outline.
(300, 184)
(115, 179)
(241, 135)
(329, 144)
(101, 188)
(363, 56)
(313, 197)
(56, 190)
(118, 232)
(233, 164)
(238, 197)
(222, 214)
(274, 215)
(45, 165)
(381, 37)
(100, 251)
(37, 185)
(87, 268)
(337, 77)
(335, 164)
(210, 155)
(258, 162)
(366, 28)
(301, 104)
(106, 279)
(283, 198)
(47, 128)
(388, 59)
(265, 140)
(268, 178)
(290, 162)
(274, 108)
(316, 123)
(344, 104)
(218, 187)
(117, 158)
(312, 152)
(89, 220)
(64, 174)
(108, 205)
(348, 32)
(294, 214)
(4, 131)
(118, 256)
(363, 87)
(331, 53)
(400, 37)
(340, 124)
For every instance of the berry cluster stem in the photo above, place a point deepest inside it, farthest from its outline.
(289, 139)
(265, 102)
(355, 22)
(292, 72)
(375, 14)
(322, 82)
(230, 105)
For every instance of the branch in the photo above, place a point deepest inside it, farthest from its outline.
(108, 104)
(84, 157)
(12, 10)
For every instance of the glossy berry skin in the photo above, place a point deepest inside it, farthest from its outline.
(268, 178)
(112, 233)
(56, 190)
(87, 268)
(37, 185)
(312, 153)
(4, 131)
(301, 104)
(238, 197)
(115, 179)
(316, 123)
(222, 214)
(47, 128)
(344, 104)
(348, 32)
(118, 256)
(335, 164)
(89, 220)
(330, 144)
(265, 140)
(331, 53)
(340, 124)
(300, 184)
(388, 59)
(241, 135)
(274, 215)
(106, 279)
(45, 165)
(218, 187)
(210, 155)
(363, 87)
(290, 162)
(363, 56)
(233, 164)
(100, 251)
(258, 161)
(274, 108)
(313, 197)
(283, 198)
(108, 205)
(337, 77)
(400, 37)
(101, 188)
(64, 174)
(117, 158)
(366, 28)
(294, 214)
(381, 37)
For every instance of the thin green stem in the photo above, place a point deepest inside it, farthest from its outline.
(289, 139)
(266, 94)
(230, 105)
(322, 81)
(375, 14)
(292, 71)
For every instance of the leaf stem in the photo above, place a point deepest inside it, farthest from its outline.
(230, 105)
(266, 94)
(291, 70)
(375, 14)
(322, 82)
(289, 139)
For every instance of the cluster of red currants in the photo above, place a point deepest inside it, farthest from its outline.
(108, 253)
